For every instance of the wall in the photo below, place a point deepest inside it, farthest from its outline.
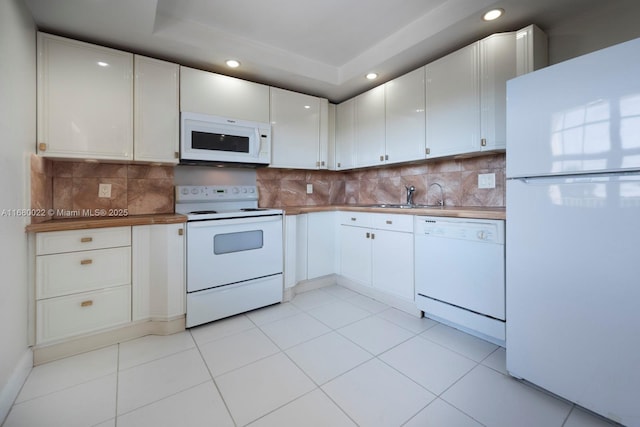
(17, 140)
(610, 23)
(70, 189)
(458, 177)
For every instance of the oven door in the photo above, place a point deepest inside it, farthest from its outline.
(226, 251)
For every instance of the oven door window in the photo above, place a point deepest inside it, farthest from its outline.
(220, 142)
(237, 242)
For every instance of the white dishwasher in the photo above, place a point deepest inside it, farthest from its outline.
(460, 273)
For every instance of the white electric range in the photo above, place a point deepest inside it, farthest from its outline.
(234, 251)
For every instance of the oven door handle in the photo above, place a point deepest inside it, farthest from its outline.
(235, 221)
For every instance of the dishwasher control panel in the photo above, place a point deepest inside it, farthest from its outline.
(487, 231)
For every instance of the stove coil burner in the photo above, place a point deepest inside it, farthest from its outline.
(252, 209)
(203, 212)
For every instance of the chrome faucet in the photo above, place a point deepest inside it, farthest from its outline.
(410, 191)
(441, 201)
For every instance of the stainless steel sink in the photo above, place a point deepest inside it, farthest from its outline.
(402, 206)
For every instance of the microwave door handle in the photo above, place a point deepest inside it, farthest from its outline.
(258, 141)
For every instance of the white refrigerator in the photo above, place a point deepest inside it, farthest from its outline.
(573, 230)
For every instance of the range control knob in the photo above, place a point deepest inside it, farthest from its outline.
(194, 191)
(252, 190)
(482, 235)
(184, 191)
(235, 190)
(244, 190)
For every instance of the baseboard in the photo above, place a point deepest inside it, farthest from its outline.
(11, 389)
(408, 306)
(309, 285)
(48, 353)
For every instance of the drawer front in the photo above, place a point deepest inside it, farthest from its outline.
(358, 219)
(393, 222)
(67, 273)
(53, 242)
(64, 317)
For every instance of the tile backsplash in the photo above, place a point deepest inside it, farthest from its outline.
(70, 189)
(458, 177)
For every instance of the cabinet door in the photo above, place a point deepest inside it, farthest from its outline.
(156, 119)
(321, 244)
(355, 254)
(345, 135)
(405, 117)
(219, 95)
(158, 271)
(392, 260)
(370, 147)
(85, 100)
(295, 130)
(498, 62)
(453, 103)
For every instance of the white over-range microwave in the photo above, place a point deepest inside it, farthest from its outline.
(206, 138)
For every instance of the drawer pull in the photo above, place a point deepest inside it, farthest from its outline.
(86, 262)
(87, 303)
(373, 236)
(353, 219)
(389, 221)
(368, 235)
(180, 231)
(86, 240)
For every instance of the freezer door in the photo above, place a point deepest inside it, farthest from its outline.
(573, 290)
(582, 115)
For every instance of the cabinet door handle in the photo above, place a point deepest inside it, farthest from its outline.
(318, 163)
(381, 158)
(176, 155)
(86, 262)
(87, 303)
(180, 231)
(427, 151)
(42, 146)
(86, 239)
(339, 164)
(373, 236)
(353, 219)
(483, 142)
(368, 235)
(389, 221)
(322, 163)
(386, 157)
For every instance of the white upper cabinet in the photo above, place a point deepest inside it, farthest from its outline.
(452, 103)
(370, 128)
(156, 120)
(299, 130)
(466, 97)
(85, 100)
(405, 117)
(219, 95)
(345, 135)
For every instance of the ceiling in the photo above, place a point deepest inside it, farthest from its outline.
(323, 48)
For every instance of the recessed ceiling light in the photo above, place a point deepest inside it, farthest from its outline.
(307, 107)
(493, 14)
(232, 63)
(372, 76)
(103, 64)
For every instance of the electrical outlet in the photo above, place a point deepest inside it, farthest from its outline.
(309, 188)
(104, 190)
(487, 180)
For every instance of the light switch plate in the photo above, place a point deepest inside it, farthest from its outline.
(104, 190)
(487, 180)
(309, 188)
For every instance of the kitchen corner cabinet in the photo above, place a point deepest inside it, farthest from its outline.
(345, 149)
(313, 236)
(85, 100)
(299, 130)
(466, 97)
(158, 272)
(219, 95)
(156, 115)
(83, 282)
(370, 128)
(377, 250)
(405, 117)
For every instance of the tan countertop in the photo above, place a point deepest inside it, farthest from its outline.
(84, 223)
(453, 211)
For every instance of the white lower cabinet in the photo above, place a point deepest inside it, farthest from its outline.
(158, 272)
(98, 280)
(310, 242)
(377, 250)
(83, 282)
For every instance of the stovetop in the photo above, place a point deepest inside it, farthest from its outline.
(200, 202)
